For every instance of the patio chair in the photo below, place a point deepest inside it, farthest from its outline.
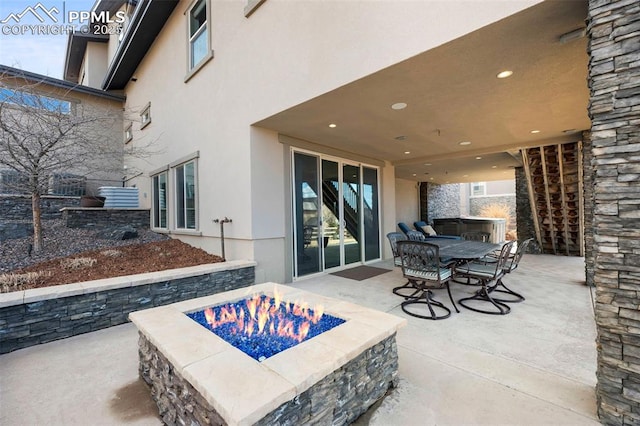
(510, 265)
(408, 290)
(474, 236)
(393, 238)
(486, 273)
(421, 266)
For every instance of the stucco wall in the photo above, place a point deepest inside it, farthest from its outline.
(322, 46)
(407, 207)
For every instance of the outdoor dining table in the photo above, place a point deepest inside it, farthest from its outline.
(463, 249)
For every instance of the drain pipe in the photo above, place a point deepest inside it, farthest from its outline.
(222, 222)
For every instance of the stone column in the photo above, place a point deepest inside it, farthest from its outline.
(524, 215)
(587, 190)
(614, 83)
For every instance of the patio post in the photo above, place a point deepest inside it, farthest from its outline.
(614, 108)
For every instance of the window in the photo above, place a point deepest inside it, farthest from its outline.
(160, 200)
(128, 134)
(34, 101)
(145, 116)
(198, 34)
(185, 175)
(478, 189)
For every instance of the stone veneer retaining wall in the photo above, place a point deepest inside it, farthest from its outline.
(42, 315)
(94, 218)
(18, 207)
(339, 398)
(614, 82)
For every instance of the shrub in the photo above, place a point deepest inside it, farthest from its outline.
(499, 211)
(14, 282)
(78, 262)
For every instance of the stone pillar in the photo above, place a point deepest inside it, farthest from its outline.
(524, 216)
(589, 203)
(614, 108)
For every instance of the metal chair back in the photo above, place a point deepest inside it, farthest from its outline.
(421, 262)
(393, 238)
(513, 262)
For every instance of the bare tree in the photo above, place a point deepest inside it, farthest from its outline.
(46, 131)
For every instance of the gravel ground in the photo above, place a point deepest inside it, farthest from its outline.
(60, 241)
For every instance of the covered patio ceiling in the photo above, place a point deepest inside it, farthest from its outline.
(453, 95)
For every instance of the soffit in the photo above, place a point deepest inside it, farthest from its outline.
(453, 95)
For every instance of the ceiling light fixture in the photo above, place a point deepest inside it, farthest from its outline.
(464, 143)
(535, 131)
(332, 125)
(478, 158)
(465, 175)
(494, 167)
(414, 174)
(399, 105)
(430, 178)
(407, 152)
(504, 74)
(428, 164)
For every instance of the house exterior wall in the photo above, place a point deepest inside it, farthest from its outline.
(241, 171)
(407, 203)
(94, 66)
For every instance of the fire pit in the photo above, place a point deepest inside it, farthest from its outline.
(262, 326)
(330, 375)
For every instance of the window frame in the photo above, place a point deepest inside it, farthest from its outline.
(128, 133)
(481, 185)
(155, 201)
(145, 112)
(194, 67)
(181, 206)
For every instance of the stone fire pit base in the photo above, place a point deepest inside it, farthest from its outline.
(333, 378)
(338, 399)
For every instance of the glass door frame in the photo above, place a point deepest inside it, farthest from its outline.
(361, 229)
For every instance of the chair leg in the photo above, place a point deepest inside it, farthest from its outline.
(483, 296)
(517, 296)
(426, 298)
(451, 298)
(409, 285)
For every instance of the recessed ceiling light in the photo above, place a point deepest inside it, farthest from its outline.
(431, 178)
(478, 158)
(465, 143)
(465, 175)
(505, 74)
(407, 152)
(427, 164)
(400, 138)
(399, 105)
(414, 174)
(535, 131)
(332, 125)
(494, 167)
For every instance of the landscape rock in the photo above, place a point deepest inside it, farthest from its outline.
(121, 233)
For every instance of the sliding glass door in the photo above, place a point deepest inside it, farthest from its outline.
(335, 213)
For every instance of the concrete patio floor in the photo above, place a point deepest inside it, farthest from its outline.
(534, 366)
